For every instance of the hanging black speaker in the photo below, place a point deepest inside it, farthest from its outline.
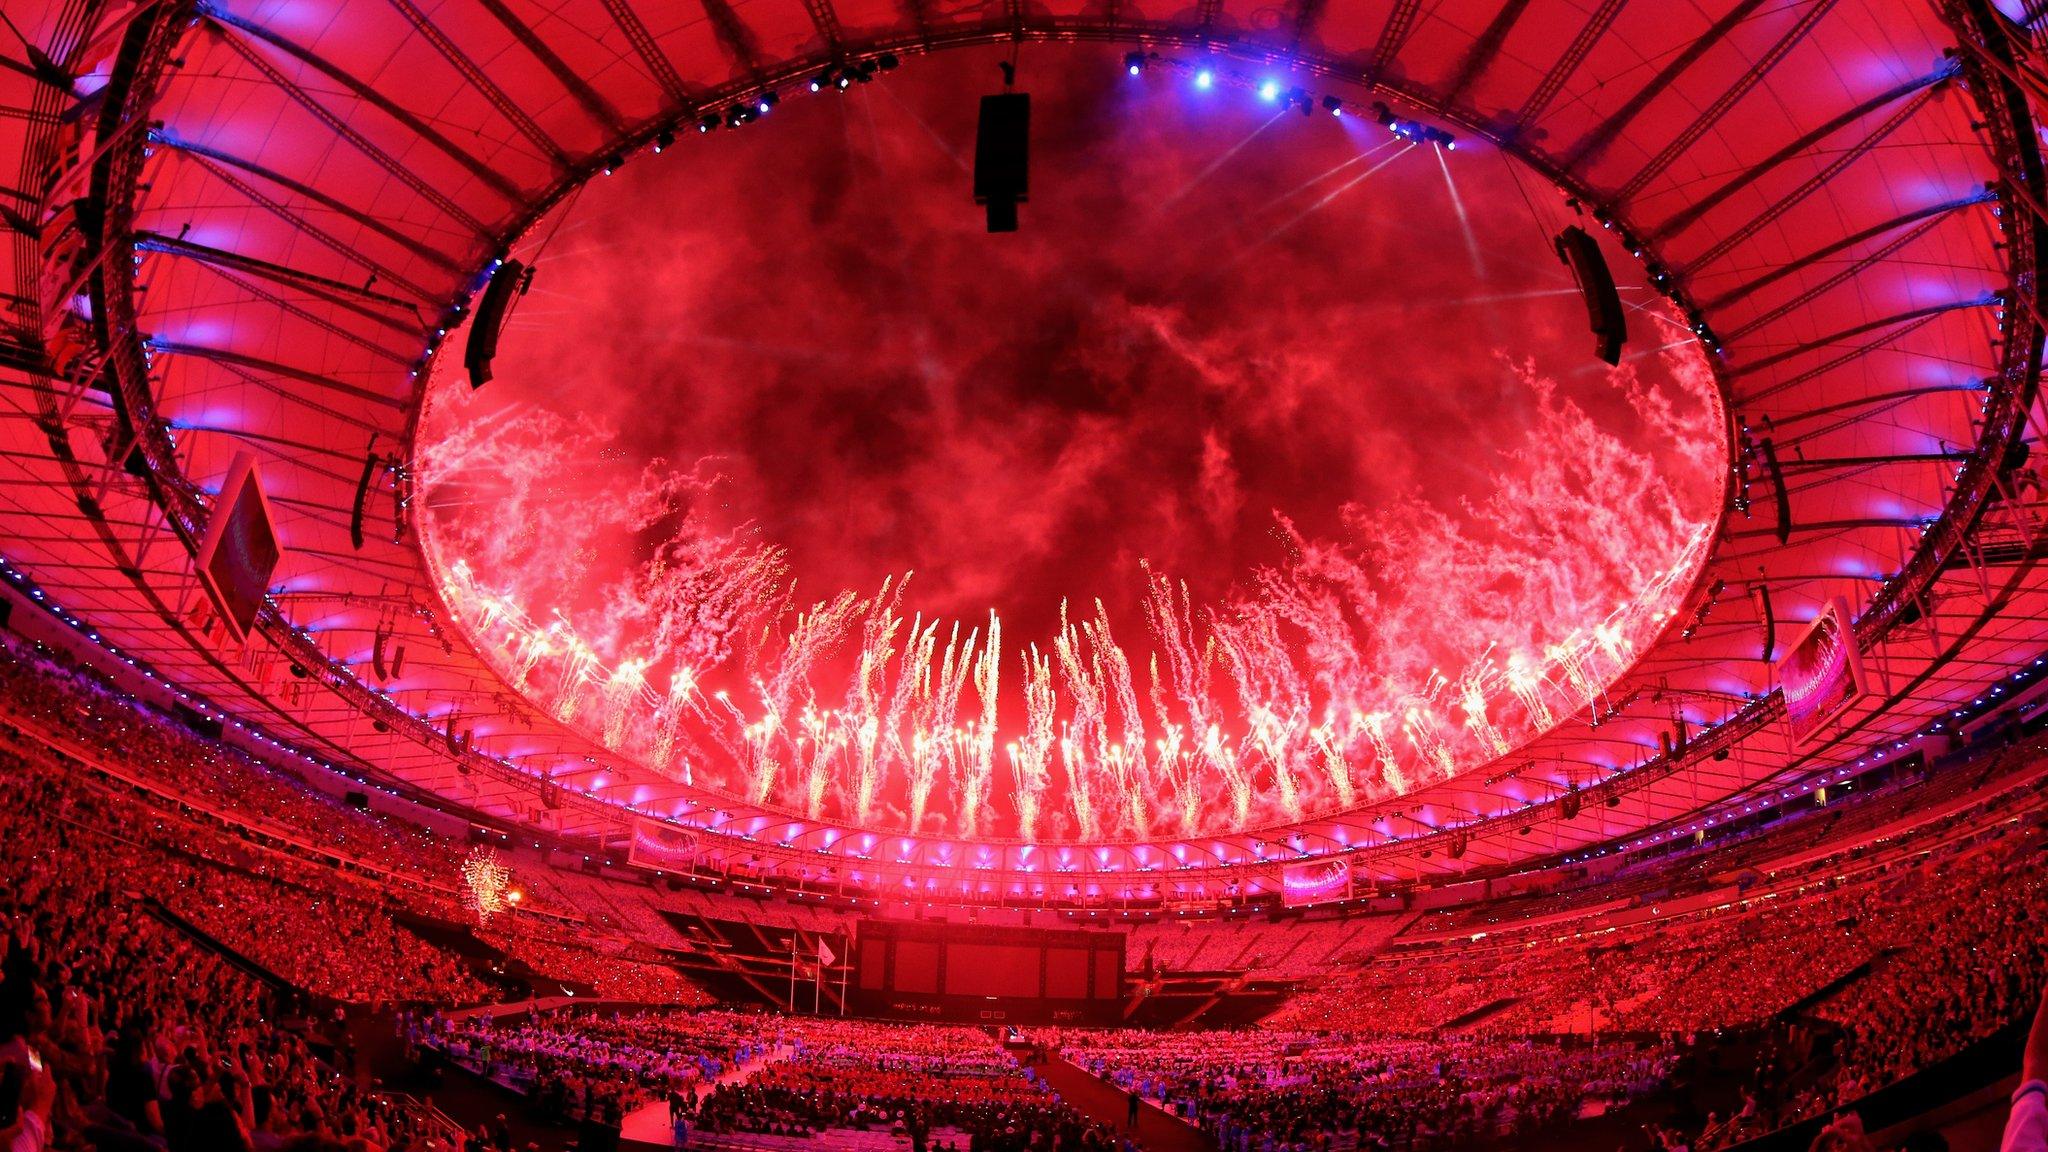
(1778, 490)
(1581, 253)
(490, 317)
(1002, 158)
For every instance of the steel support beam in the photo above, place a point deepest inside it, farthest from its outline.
(579, 89)
(1814, 183)
(1604, 133)
(274, 368)
(370, 95)
(1484, 49)
(1581, 47)
(649, 50)
(1777, 272)
(338, 291)
(341, 128)
(1910, 316)
(1699, 207)
(1400, 22)
(1726, 102)
(215, 161)
(1841, 276)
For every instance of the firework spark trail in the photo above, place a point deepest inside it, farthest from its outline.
(1472, 701)
(668, 719)
(866, 703)
(1274, 699)
(1572, 659)
(905, 744)
(1423, 731)
(1330, 746)
(1527, 685)
(1237, 779)
(1375, 726)
(621, 699)
(1341, 629)
(577, 671)
(822, 739)
(786, 694)
(974, 746)
(1188, 662)
(763, 766)
(1084, 744)
(1031, 755)
(934, 705)
(1123, 746)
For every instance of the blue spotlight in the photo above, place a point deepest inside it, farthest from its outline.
(1204, 79)
(1269, 91)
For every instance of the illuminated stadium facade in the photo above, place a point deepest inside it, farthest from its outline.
(285, 214)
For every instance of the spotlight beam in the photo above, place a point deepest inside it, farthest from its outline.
(1218, 163)
(1319, 177)
(1319, 205)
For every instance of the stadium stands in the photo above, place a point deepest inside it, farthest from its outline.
(1527, 1014)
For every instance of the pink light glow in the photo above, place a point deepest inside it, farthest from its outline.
(1219, 512)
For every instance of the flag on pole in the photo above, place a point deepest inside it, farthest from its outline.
(825, 954)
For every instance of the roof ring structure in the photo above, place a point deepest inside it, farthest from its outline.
(258, 237)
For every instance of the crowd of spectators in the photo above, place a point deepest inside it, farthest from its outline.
(610, 976)
(746, 1073)
(1945, 974)
(1278, 1091)
(327, 929)
(323, 931)
(917, 1078)
(53, 695)
(331, 945)
(119, 1033)
(582, 1057)
(1499, 1034)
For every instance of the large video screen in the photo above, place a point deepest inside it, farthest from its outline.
(240, 551)
(1822, 675)
(993, 970)
(943, 970)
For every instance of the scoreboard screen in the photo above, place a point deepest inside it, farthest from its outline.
(932, 970)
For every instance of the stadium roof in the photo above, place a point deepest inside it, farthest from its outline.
(287, 202)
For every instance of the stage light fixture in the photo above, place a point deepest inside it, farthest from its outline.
(613, 163)
(1134, 62)
(707, 123)
(665, 139)
(1269, 91)
(886, 61)
(1205, 79)
(1333, 106)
